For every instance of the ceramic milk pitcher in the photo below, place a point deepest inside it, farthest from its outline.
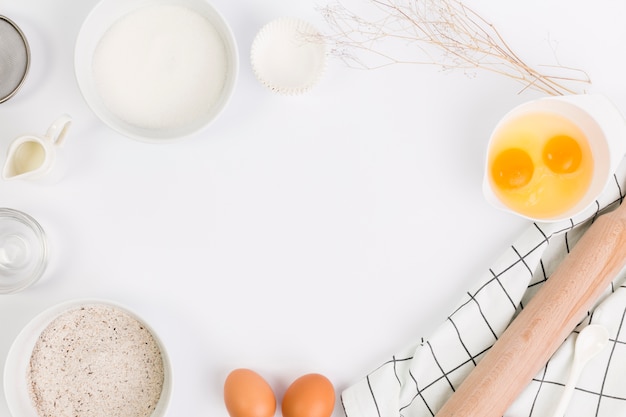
(34, 157)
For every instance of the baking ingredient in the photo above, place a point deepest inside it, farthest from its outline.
(247, 394)
(562, 154)
(160, 66)
(540, 164)
(95, 361)
(512, 168)
(29, 156)
(311, 395)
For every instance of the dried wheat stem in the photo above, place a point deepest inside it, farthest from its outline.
(462, 38)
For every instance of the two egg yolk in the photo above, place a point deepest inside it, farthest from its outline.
(513, 168)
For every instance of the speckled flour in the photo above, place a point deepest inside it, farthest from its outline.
(95, 361)
(160, 66)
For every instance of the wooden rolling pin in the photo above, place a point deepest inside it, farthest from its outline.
(542, 326)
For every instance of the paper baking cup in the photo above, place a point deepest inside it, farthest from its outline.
(288, 56)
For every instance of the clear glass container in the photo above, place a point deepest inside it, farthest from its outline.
(23, 251)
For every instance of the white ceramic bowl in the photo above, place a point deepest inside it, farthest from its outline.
(18, 358)
(108, 14)
(604, 127)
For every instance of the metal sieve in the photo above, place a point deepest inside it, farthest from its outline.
(14, 58)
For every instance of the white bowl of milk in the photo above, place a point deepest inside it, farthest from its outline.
(156, 70)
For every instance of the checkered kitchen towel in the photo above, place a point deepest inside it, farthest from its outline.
(418, 380)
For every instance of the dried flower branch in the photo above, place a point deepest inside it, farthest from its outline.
(446, 32)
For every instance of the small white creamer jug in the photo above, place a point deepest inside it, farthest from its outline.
(34, 157)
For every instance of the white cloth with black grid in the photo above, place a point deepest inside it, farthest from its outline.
(417, 381)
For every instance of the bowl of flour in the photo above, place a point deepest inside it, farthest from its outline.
(91, 358)
(156, 70)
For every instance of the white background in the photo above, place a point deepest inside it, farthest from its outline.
(316, 233)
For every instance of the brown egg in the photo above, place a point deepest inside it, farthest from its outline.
(247, 394)
(311, 395)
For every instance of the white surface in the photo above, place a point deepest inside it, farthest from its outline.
(317, 233)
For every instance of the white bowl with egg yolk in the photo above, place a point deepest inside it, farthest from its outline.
(527, 174)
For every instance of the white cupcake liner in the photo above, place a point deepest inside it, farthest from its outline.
(288, 56)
